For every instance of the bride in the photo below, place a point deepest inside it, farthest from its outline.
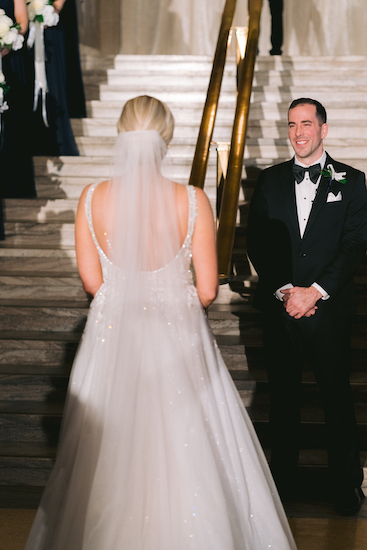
(157, 451)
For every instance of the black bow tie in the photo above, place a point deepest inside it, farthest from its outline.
(313, 171)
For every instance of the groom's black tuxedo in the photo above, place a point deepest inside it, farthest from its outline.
(333, 245)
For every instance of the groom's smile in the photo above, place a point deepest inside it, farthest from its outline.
(306, 133)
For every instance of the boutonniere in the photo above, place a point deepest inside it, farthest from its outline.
(330, 173)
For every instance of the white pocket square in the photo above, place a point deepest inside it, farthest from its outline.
(334, 198)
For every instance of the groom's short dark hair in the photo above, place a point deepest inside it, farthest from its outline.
(320, 109)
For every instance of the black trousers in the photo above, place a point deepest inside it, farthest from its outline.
(276, 11)
(325, 342)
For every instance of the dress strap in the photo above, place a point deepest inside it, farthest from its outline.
(88, 212)
(191, 191)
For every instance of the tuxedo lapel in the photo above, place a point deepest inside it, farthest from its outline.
(289, 195)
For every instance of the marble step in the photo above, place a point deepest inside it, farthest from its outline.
(264, 63)
(268, 129)
(54, 187)
(311, 63)
(260, 110)
(325, 94)
(30, 421)
(29, 464)
(49, 387)
(14, 319)
(33, 387)
(351, 148)
(241, 329)
(177, 75)
(141, 82)
(24, 289)
(173, 166)
(37, 262)
(342, 78)
(117, 90)
(38, 352)
(181, 110)
(34, 421)
(39, 235)
(184, 129)
(40, 210)
(343, 110)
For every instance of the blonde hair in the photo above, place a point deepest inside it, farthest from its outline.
(147, 113)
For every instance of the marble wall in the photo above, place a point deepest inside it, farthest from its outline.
(327, 27)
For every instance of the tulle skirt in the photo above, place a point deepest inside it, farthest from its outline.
(157, 451)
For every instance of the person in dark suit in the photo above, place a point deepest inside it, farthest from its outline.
(307, 234)
(276, 36)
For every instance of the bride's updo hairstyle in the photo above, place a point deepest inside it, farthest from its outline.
(147, 113)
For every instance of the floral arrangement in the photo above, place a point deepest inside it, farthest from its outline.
(43, 12)
(12, 40)
(9, 35)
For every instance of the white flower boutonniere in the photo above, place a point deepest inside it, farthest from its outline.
(330, 173)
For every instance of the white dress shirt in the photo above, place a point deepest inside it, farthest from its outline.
(305, 195)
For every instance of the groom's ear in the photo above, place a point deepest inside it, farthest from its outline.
(324, 130)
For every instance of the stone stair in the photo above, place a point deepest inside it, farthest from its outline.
(43, 307)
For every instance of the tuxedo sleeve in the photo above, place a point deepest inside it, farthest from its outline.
(268, 242)
(353, 245)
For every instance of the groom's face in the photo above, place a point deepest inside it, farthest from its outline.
(306, 133)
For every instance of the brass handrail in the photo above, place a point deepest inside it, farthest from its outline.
(201, 157)
(231, 189)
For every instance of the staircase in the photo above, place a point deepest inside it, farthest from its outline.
(43, 307)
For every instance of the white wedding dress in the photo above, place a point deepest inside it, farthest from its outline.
(157, 451)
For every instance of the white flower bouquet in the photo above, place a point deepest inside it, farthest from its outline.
(43, 12)
(9, 35)
(12, 40)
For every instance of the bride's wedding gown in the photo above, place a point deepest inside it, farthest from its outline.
(157, 451)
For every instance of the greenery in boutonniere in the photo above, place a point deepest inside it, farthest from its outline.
(330, 173)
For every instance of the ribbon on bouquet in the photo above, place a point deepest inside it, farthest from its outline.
(36, 37)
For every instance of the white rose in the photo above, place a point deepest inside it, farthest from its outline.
(2, 12)
(2, 78)
(9, 38)
(18, 42)
(31, 12)
(50, 17)
(38, 6)
(5, 24)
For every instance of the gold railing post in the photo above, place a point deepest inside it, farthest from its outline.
(201, 157)
(223, 149)
(241, 42)
(229, 205)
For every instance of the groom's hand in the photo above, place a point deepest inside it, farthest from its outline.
(301, 301)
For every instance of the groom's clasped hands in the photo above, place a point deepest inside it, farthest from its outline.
(301, 301)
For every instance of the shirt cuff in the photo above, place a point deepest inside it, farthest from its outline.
(279, 295)
(325, 295)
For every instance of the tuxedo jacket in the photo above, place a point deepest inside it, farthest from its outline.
(333, 245)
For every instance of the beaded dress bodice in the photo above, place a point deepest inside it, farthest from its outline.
(178, 272)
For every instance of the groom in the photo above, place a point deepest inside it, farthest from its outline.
(307, 234)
